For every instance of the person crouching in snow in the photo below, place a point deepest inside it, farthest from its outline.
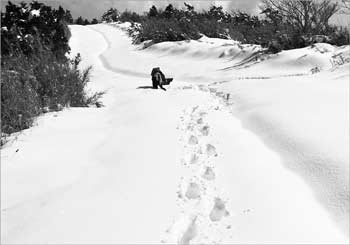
(158, 78)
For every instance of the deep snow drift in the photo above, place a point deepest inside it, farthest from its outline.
(242, 148)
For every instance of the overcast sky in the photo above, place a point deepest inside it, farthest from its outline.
(95, 8)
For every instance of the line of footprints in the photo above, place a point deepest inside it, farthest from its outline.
(199, 157)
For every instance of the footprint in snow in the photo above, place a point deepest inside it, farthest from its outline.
(202, 113)
(190, 232)
(220, 94)
(193, 191)
(195, 108)
(189, 127)
(192, 159)
(186, 87)
(218, 211)
(210, 150)
(208, 174)
(205, 130)
(203, 88)
(193, 140)
(200, 121)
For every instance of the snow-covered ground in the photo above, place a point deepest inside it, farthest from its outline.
(242, 148)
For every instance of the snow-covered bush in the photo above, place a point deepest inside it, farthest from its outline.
(272, 31)
(111, 15)
(81, 21)
(35, 72)
(46, 27)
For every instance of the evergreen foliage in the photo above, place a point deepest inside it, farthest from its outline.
(274, 30)
(36, 75)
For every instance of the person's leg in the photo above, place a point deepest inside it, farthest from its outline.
(154, 83)
(162, 87)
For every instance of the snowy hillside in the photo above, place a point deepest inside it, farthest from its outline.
(241, 148)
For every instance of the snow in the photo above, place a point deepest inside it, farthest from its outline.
(241, 148)
(124, 25)
(35, 12)
(306, 121)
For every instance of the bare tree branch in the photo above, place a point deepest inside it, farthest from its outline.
(345, 6)
(305, 15)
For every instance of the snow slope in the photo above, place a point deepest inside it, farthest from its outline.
(237, 150)
(306, 120)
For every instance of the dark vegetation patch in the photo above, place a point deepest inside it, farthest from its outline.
(36, 75)
(283, 24)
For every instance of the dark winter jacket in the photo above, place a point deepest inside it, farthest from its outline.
(157, 76)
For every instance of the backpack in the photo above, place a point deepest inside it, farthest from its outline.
(158, 76)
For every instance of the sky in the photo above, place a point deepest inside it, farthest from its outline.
(95, 8)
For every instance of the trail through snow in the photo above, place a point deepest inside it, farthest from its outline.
(151, 166)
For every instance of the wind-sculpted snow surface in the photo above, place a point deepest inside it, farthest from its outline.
(306, 120)
(241, 148)
(204, 48)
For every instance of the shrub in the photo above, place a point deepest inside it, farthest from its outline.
(32, 29)
(36, 74)
(94, 21)
(275, 31)
(130, 17)
(31, 85)
(19, 98)
(84, 22)
(165, 30)
(111, 15)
